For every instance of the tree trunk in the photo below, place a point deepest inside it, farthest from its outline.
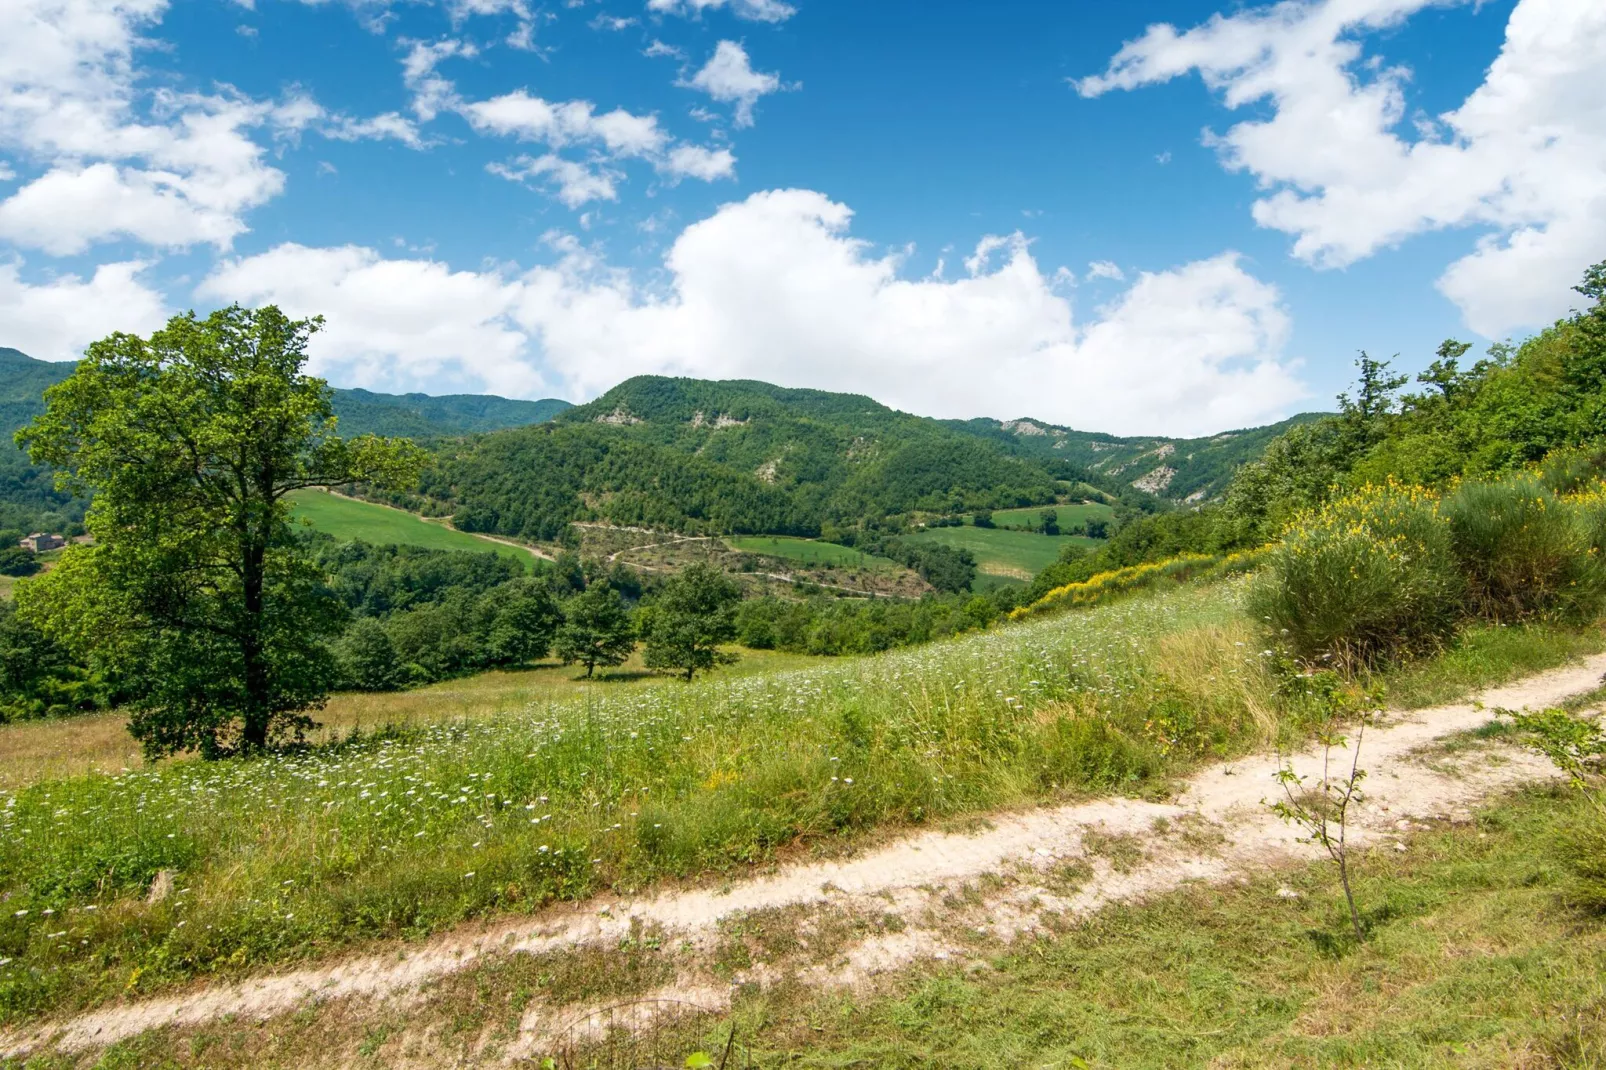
(257, 713)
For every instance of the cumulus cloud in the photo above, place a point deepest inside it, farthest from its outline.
(729, 77)
(775, 287)
(54, 320)
(752, 10)
(612, 136)
(528, 117)
(1105, 269)
(695, 161)
(1349, 171)
(393, 324)
(160, 166)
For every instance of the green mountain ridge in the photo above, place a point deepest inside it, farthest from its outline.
(28, 497)
(1183, 470)
(747, 457)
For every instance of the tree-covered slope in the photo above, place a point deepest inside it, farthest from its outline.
(1176, 469)
(28, 498)
(736, 457)
(363, 412)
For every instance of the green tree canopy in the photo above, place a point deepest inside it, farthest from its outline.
(195, 595)
(693, 614)
(595, 629)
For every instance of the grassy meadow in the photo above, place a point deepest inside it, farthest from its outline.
(1003, 552)
(405, 831)
(31, 751)
(347, 519)
(809, 552)
(1069, 515)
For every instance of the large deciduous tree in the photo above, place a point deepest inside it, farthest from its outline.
(695, 612)
(595, 630)
(196, 596)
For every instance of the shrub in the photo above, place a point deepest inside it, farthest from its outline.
(1524, 551)
(1363, 579)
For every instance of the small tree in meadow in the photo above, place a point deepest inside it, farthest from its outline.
(1323, 813)
(595, 629)
(694, 614)
(1050, 521)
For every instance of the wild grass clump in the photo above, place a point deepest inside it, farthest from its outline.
(1366, 578)
(1524, 551)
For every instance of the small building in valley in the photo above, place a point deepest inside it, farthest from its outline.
(41, 541)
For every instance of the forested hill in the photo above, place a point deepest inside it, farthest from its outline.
(24, 379)
(1177, 469)
(362, 412)
(29, 500)
(738, 456)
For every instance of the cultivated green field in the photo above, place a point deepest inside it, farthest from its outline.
(808, 551)
(1070, 516)
(1002, 552)
(346, 518)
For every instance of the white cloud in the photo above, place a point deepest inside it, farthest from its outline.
(729, 76)
(695, 161)
(1105, 269)
(774, 287)
(165, 167)
(392, 324)
(70, 208)
(575, 183)
(54, 320)
(390, 126)
(7, 172)
(532, 119)
(432, 93)
(753, 10)
(614, 23)
(658, 48)
(1520, 158)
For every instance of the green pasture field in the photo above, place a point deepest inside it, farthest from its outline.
(347, 519)
(809, 552)
(1070, 516)
(1003, 552)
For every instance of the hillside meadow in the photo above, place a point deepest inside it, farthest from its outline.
(1068, 516)
(402, 831)
(1016, 554)
(348, 519)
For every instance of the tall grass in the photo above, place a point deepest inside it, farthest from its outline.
(404, 832)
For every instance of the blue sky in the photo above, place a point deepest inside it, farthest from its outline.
(1168, 217)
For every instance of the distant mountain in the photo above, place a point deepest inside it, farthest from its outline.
(1183, 470)
(734, 456)
(23, 379)
(28, 498)
(362, 412)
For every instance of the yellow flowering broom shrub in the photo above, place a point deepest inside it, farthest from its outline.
(1363, 579)
(1525, 551)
